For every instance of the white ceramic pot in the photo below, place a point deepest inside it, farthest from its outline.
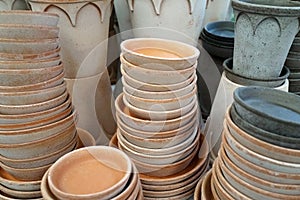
(84, 29)
(223, 99)
(177, 20)
(13, 5)
(92, 99)
(218, 10)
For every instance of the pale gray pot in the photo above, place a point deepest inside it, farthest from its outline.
(264, 33)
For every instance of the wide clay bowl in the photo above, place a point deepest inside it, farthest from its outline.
(63, 103)
(33, 108)
(150, 125)
(271, 82)
(236, 122)
(157, 76)
(258, 182)
(53, 82)
(160, 115)
(18, 77)
(159, 54)
(20, 194)
(220, 30)
(28, 18)
(31, 97)
(30, 64)
(142, 85)
(260, 106)
(103, 170)
(8, 181)
(33, 46)
(159, 95)
(17, 31)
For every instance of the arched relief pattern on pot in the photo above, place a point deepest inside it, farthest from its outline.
(257, 20)
(72, 9)
(158, 3)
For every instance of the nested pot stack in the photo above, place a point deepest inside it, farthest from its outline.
(84, 29)
(158, 116)
(37, 119)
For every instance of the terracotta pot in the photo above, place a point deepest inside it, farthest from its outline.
(84, 28)
(159, 18)
(263, 30)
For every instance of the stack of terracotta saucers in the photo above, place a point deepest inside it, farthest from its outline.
(98, 172)
(37, 120)
(293, 63)
(264, 165)
(158, 116)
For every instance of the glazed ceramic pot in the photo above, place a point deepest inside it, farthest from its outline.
(84, 28)
(217, 11)
(263, 30)
(92, 98)
(177, 20)
(13, 5)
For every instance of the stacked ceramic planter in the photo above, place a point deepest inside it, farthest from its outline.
(264, 33)
(84, 29)
(99, 172)
(259, 156)
(293, 63)
(158, 116)
(37, 120)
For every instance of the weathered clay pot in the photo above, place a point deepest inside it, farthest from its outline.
(84, 28)
(264, 33)
(177, 20)
(14, 5)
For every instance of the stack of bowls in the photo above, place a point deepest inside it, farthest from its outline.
(37, 119)
(98, 172)
(293, 63)
(218, 38)
(158, 116)
(249, 166)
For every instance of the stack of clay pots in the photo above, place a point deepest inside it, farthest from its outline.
(258, 160)
(264, 34)
(84, 29)
(37, 119)
(158, 116)
(293, 63)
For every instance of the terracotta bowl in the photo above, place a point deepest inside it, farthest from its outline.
(17, 31)
(18, 77)
(142, 85)
(31, 97)
(161, 143)
(157, 134)
(30, 64)
(28, 17)
(159, 115)
(40, 147)
(157, 76)
(45, 190)
(156, 159)
(203, 191)
(97, 163)
(23, 46)
(53, 82)
(160, 104)
(159, 54)
(32, 109)
(40, 160)
(26, 57)
(62, 104)
(257, 170)
(259, 146)
(149, 125)
(86, 139)
(12, 183)
(20, 194)
(159, 95)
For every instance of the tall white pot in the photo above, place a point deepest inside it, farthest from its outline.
(84, 25)
(179, 20)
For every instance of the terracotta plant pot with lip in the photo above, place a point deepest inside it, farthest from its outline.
(263, 30)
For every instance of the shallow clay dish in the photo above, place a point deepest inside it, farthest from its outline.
(20, 194)
(30, 64)
(159, 54)
(45, 190)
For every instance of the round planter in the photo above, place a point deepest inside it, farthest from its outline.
(263, 30)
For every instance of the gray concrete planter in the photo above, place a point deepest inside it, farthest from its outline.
(264, 33)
